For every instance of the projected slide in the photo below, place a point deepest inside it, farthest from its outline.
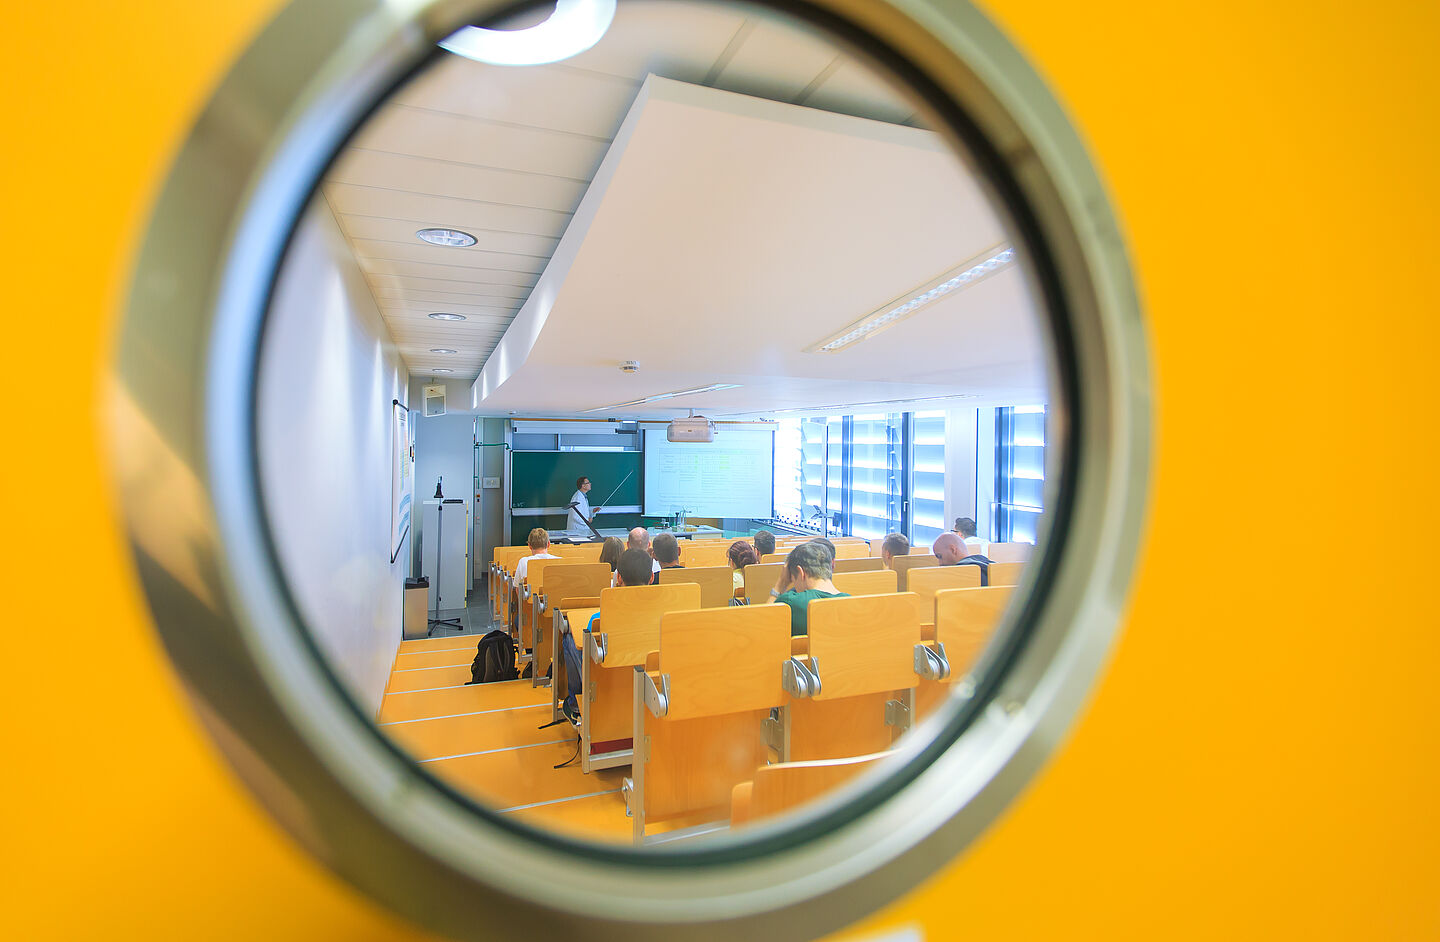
(733, 476)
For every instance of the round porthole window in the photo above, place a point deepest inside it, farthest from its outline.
(779, 379)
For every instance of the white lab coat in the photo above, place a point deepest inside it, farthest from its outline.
(573, 523)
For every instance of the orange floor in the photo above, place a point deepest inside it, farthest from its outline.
(485, 740)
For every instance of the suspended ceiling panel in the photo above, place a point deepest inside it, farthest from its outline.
(724, 235)
(507, 154)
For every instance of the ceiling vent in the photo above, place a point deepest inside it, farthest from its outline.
(435, 399)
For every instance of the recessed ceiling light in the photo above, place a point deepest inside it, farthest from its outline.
(713, 387)
(442, 350)
(575, 26)
(962, 276)
(441, 370)
(445, 237)
(448, 317)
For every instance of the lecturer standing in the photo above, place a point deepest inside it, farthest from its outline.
(580, 508)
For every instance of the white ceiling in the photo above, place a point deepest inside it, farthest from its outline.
(727, 232)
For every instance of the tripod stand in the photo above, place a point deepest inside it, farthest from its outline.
(435, 621)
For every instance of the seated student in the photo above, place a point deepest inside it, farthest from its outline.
(893, 545)
(632, 569)
(806, 577)
(640, 540)
(764, 542)
(610, 551)
(741, 554)
(966, 528)
(828, 546)
(539, 543)
(953, 551)
(666, 550)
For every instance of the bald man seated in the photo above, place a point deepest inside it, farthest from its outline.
(640, 540)
(951, 550)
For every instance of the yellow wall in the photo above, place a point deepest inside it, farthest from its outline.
(1260, 760)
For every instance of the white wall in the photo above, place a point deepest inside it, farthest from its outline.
(328, 374)
(445, 445)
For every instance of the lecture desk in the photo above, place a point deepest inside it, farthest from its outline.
(686, 532)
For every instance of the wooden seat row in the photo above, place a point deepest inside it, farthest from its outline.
(848, 691)
(727, 690)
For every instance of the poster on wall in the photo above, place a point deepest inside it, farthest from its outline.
(402, 478)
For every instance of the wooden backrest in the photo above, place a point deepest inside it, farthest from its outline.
(1006, 573)
(871, 582)
(630, 618)
(903, 564)
(788, 785)
(515, 551)
(587, 552)
(926, 581)
(774, 557)
(859, 564)
(724, 660)
(1010, 552)
(851, 551)
(704, 553)
(864, 644)
(760, 578)
(717, 583)
(964, 621)
(535, 569)
(575, 580)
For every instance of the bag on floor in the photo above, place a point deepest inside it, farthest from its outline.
(571, 653)
(494, 659)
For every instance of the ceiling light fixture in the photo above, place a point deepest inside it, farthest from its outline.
(713, 387)
(442, 350)
(447, 317)
(575, 26)
(452, 237)
(962, 276)
(441, 370)
(849, 407)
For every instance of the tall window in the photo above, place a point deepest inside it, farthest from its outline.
(927, 493)
(1019, 473)
(789, 471)
(876, 467)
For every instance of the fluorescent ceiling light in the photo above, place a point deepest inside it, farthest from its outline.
(575, 26)
(713, 387)
(961, 276)
(847, 408)
(442, 350)
(445, 237)
(447, 317)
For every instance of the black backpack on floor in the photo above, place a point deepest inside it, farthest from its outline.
(494, 659)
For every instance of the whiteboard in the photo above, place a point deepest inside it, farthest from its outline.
(733, 476)
(402, 477)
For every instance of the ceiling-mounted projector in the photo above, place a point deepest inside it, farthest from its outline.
(696, 428)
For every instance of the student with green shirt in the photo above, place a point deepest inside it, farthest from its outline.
(806, 577)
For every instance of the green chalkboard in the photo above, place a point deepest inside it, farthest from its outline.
(547, 478)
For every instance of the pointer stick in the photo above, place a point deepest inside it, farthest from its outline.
(627, 477)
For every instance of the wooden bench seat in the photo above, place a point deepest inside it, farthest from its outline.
(717, 583)
(701, 703)
(777, 789)
(627, 630)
